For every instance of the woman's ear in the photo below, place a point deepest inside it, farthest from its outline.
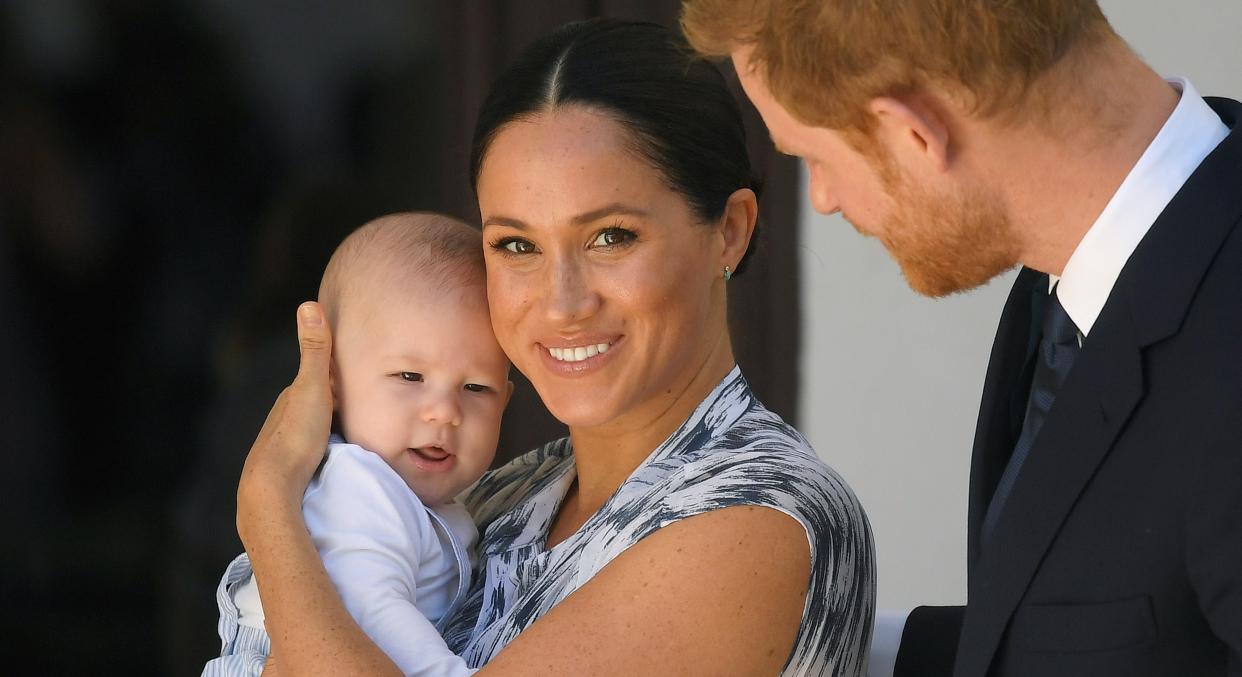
(913, 130)
(737, 225)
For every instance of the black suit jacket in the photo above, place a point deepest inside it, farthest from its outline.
(1119, 551)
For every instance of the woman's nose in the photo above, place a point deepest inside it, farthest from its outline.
(442, 407)
(570, 298)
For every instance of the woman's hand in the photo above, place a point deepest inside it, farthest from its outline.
(311, 630)
(295, 434)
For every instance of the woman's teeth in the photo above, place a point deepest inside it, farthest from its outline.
(577, 354)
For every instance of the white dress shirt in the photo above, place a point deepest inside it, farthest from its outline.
(1190, 134)
(1187, 137)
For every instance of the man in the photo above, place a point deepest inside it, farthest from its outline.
(1105, 521)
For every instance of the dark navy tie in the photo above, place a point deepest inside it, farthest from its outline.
(1058, 346)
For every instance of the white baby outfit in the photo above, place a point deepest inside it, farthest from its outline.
(401, 568)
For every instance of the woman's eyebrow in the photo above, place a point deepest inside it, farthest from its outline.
(615, 208)
(608, 210)
(505, 222)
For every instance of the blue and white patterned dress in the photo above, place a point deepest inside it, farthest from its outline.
(730, 452)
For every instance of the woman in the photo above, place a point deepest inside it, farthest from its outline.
(681, 528)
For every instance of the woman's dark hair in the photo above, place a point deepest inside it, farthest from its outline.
(684, 119)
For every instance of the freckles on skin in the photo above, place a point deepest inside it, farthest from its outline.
(654, 292)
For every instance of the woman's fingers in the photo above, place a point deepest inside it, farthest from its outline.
(315, 344)
(302, 417)
(306, 406)
(308, 401)
(295, 434)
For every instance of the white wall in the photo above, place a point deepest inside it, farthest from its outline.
(891, 381)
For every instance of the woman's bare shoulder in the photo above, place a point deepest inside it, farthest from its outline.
(721, 592)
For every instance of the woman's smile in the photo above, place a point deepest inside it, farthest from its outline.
(579, 356)
(599, 271)
(617, 201)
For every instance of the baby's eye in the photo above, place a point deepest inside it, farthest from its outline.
(411, 376)
(477, 388)
(611, 237)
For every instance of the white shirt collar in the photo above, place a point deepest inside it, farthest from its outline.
(1186, 138)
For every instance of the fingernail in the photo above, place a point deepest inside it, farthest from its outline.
(310, 317)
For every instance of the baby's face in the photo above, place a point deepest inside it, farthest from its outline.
(421, 381)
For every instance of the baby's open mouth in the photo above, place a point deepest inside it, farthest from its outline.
(431, 453)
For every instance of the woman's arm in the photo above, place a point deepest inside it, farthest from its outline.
(311, 631)
(719, 593)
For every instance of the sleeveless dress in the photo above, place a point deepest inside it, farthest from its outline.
(731, 451)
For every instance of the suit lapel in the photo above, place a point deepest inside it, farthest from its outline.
(1147, 305)
(1093, 406)
(996, 430)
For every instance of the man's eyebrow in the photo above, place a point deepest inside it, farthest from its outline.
(615, 208)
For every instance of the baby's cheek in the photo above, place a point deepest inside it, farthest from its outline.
(370, 428)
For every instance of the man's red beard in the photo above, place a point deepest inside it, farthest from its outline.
(945, 243)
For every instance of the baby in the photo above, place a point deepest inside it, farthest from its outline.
(420, 384)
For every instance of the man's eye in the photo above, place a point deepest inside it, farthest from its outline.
(477, 388)
(611, 237)
(411, 376)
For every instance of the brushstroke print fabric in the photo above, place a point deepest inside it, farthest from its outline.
(730, 452)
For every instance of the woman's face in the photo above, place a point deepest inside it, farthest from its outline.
(605, 290)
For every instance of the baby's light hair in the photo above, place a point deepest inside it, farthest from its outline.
(407, 250)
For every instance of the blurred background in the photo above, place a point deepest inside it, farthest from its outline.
(173, 177)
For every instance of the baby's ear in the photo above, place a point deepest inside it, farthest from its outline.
(336, 400)
(508, 392)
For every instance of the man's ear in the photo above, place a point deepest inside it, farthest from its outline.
(913, 130)
(737, 225)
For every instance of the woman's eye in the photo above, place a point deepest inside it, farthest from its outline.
(477, 388)
(411, 376)
(514, 245)
(611, 237)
